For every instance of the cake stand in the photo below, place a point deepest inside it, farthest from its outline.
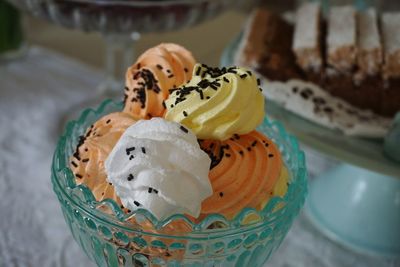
(357, 203)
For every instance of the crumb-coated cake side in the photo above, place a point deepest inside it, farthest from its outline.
(271, 38)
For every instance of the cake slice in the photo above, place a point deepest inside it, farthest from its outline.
(266, 46)
(369, 48)
(391, 45)
(307, 33)
(341, 39)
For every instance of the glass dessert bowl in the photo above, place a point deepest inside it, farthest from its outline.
(107, 235)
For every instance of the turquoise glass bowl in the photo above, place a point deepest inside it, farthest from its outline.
(108, 237)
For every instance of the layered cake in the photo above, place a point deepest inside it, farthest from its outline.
(351, 55)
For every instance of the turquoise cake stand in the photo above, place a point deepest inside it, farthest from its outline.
(356, 204)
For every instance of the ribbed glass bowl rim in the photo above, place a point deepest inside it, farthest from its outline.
(294, 197)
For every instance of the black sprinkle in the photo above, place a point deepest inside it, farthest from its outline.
(295, 89)
(108, 121)
(78, 175)
(144, 150)
(258, 82)
(227, 155)
(131, 157)
(85, 160)
(86, 149)
(249, 149)
(221, 194)
(170, 76)
(198, 71)
(163, 104)
(270, 155)
(138, 66)
(126, 88)
(226, 80)
(136, 203)
(201, 95)
(150, 190)
(110, 183)
(185, 70)
(129, 211)
(237, 137)
(254, 143)
(208, 97)
(184, 129)
(74, 164)
(249, 72)
(129, 150)
(243, 76)
(169, 71)
(130, 177)
(159, 67)
(241, 152)
(185, 113)
(266, 144)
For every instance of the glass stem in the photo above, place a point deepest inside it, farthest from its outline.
(119, 56)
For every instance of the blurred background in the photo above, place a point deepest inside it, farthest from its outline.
(52, 70)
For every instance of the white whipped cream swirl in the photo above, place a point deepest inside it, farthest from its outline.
(158, 165)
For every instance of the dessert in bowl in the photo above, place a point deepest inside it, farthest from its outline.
(198, 184)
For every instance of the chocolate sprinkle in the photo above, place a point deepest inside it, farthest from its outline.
(78, 175)
(129, 150)
(270, 155)
(221, 194)
(74, 164)
(108, 121)
(184, 129)
(185, 113)
(185, 70)
(130, 177)
(159, 66)
(136, 203)
(144, 150)
(85, 160)
(241, 152)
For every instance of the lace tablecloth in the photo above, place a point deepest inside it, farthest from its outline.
(35, 92)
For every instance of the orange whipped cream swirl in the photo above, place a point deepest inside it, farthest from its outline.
(246, 171)
(87, 163)
(149, 80)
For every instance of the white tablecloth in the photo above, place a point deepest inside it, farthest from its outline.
(35, 92)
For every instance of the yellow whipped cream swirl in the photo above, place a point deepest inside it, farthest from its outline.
(217, 103)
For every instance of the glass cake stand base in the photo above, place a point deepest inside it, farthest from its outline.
(357, 208)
